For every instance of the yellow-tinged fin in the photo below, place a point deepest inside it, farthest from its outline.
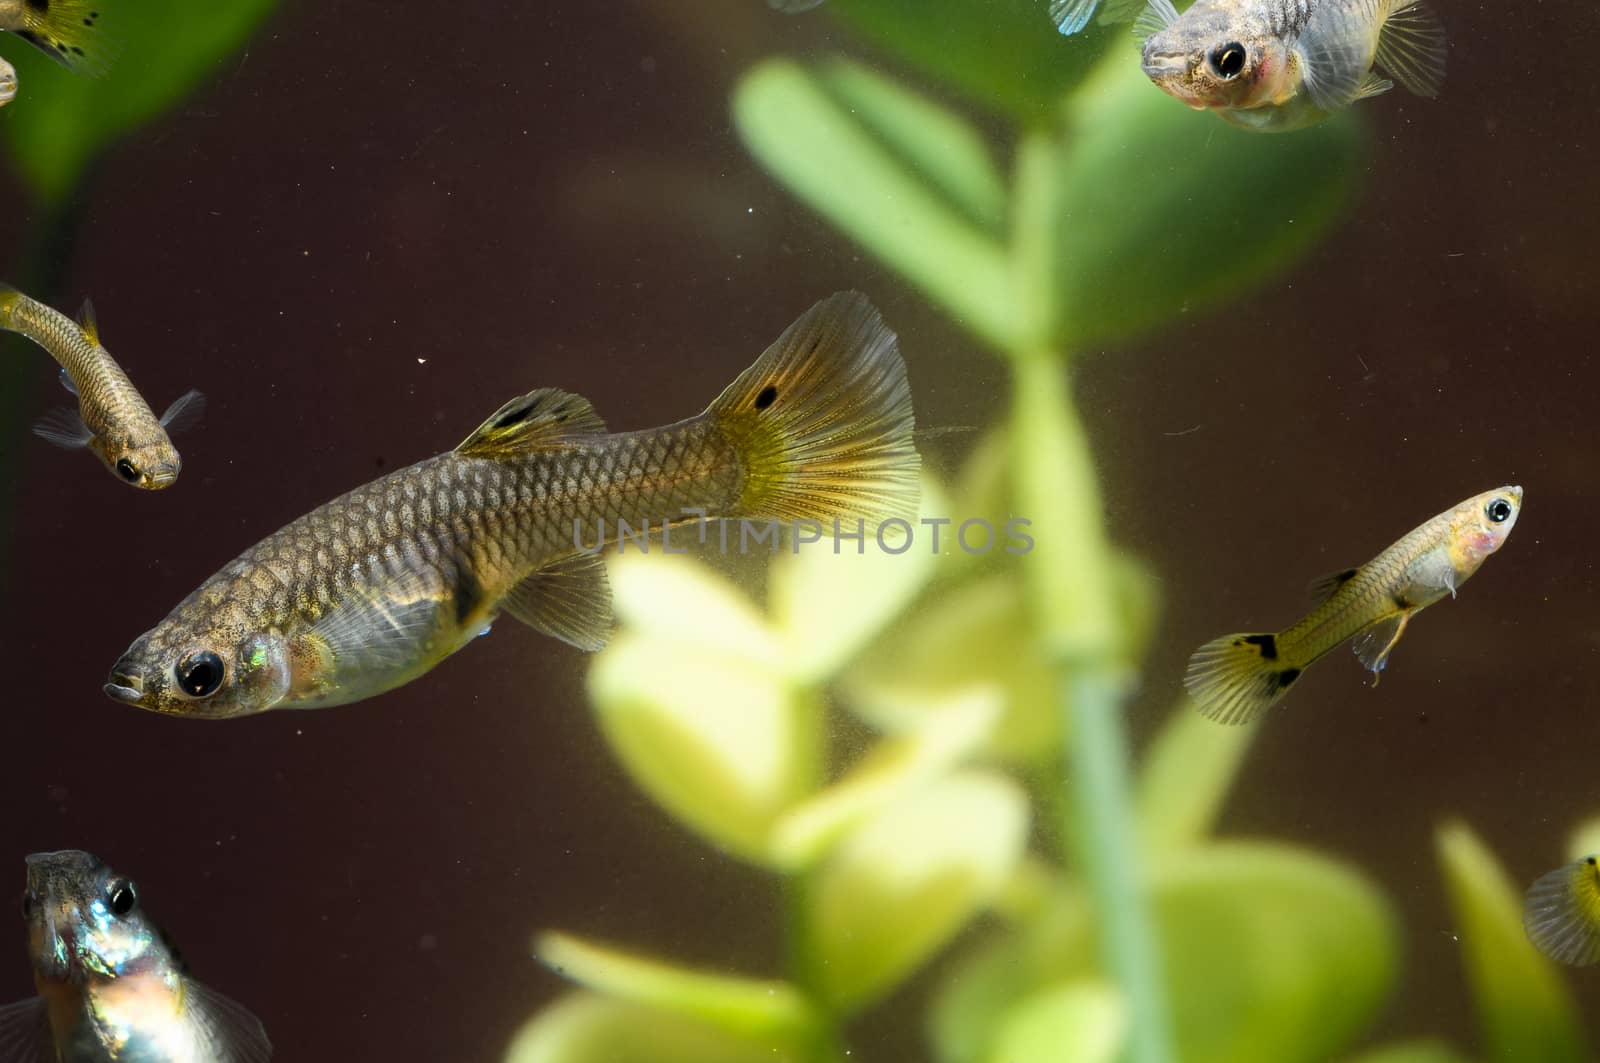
(1411, 47)
(1373, 85)
(10, 299)
(540, 420)
(68, 31)
(89, 323)
(1562, 913)
(1236, 678)
(570, 600)
(822, 421)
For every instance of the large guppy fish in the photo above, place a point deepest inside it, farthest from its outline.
(1278, 65)
(1236, 678)
(111, 988)
(112, 418)
(377, 587)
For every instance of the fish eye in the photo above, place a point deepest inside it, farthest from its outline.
(1497, 511)
(121, 898)
(199, 674)
(127, 470)
(1228, 60)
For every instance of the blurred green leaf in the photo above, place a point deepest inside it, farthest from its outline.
(162, 49)
(674, 599)
(1413, 1052)
(904, 883)
(1522, 1003)
(1585, 840)
(1186, 777)
(856, 176)
(1164, 211)
(587, 1028)
(1076, 1022)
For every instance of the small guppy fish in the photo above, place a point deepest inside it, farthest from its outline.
(111, 987)
(375, 588)
(68, 31)
(1562, 913)
(112, 418)
(1279, 65)
(8, 82)
(1236, 678)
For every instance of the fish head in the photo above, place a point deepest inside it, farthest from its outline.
(1212, 58)
(85, 921)
(202, 666)
(8, 83)
(1480, 525)
(149, 462)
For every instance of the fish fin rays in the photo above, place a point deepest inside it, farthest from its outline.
(1070, 16)
(63, 427)
(1561, 913)
(1335, 55)
(570, 600)
(89, 323)
(542, 419)
(1373, 85)
(25, 1032)
(68, 32)
(385, 630)
(1236, 678)
(1326, 587)
(68, 383)
(231, 1032)
(1374, 644)
(1156, 16)
(1411, 47)
(184, 412)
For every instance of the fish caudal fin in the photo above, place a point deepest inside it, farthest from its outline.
(1411, 47)
(1238, 677)
(822, 421)
(1562, 913)
(68, 32)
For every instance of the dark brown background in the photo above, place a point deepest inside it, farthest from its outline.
(556, 197)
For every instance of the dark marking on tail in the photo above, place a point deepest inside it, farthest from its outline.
(1268, 646)
(768, 396)
(41, 6)
(1287, 676)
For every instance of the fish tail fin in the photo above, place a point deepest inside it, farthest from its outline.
(1561, 913)
(1411, 47)
(822, 421)
(68, 31)
(1236, 678)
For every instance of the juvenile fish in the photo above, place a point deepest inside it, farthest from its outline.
(8, 82)
(111, 989)
(1278, 65)
(68, 31)
(112, 418)
(1562, 913)
(375, 588)
(1236, 678)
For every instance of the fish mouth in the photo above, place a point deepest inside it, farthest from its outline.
(1160, 67)
(163, 475)
(128, 689)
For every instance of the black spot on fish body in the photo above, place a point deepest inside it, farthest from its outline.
(1287, 676)
(468, 594)
(768, 396)
(1400, 601)
(1268, 645)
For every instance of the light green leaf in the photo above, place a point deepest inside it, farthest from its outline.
(675, 599)
(1165, 211)
(1414, 1052)
(723, 744)
(1076, 1022)
(1585, 840)
(1522, 1003)
(846, 170)
(747, 1007)
(1185, 780)
(903, 884)
(162, 49)
(586, 1028)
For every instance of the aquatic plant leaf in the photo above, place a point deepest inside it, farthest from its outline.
(852, 174)
(681, 600)
(722, 743)
(1522, 1002)
(1164, 211)
(588, 1028)
(748, 1007)
(1185, 779)
(896, 891)
(1585, 840)
(163, 49)
(1004, 53)
(1429, 1051)
(1084, 1022)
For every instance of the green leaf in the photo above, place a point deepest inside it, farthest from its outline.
(675, 599)
(1164, 211)
(1413, 1052)
(1077, 1022)
(163, 49)
(586, 1028)
(858, 178)
(1585, 840)
(1522, 1002)
(1185, 780)
(907, 881)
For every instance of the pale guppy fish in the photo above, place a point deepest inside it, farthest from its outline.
(112, 418)
(68, 31)
(111, 987)
(1236, 678)
(377, 587)
(1561, 913)
(1278, 65)
(8, 82)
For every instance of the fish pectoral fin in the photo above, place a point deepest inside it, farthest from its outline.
(226, 1027)
(68, 383)
(184, 411)
(570, 600)
(64, 428)
(1411, 47)
(25, 1032)
(541, 419)
(1373, 85)
(381, 630)
(1334, 56)
(1326, 587)
(1156, 16)
(1374, 644)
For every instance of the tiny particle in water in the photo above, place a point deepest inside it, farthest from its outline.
(422, 361)
(427, 942)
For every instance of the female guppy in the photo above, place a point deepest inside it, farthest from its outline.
(112, 418)
(111, 989)
(377, 587)
(1236, 678)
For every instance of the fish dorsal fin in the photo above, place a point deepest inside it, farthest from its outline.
(1325, 588)
(1561, 913)
(1115, 11)
(88, 323)
(25, 1032)
(542, 418)
(64, 428)
(1373, 85)
(1334, 52)
(1411, 47)
(570, 600)
(226, 1027)
(1156, 16)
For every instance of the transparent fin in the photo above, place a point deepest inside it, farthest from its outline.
(68, 383)
(1373, 85)
(1561, 913)
(1334, 55)
(1236, 678)
(385, 629)
(1070, 16)
(1411, 48)
(1326, 587)
(1113, 12)
(226, 1027)
(184, 412)
(25, 1033)
(64, 428)
(570, 601)
(543, 418)
(1156, 16)
(89, 323)
(1374, 644)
